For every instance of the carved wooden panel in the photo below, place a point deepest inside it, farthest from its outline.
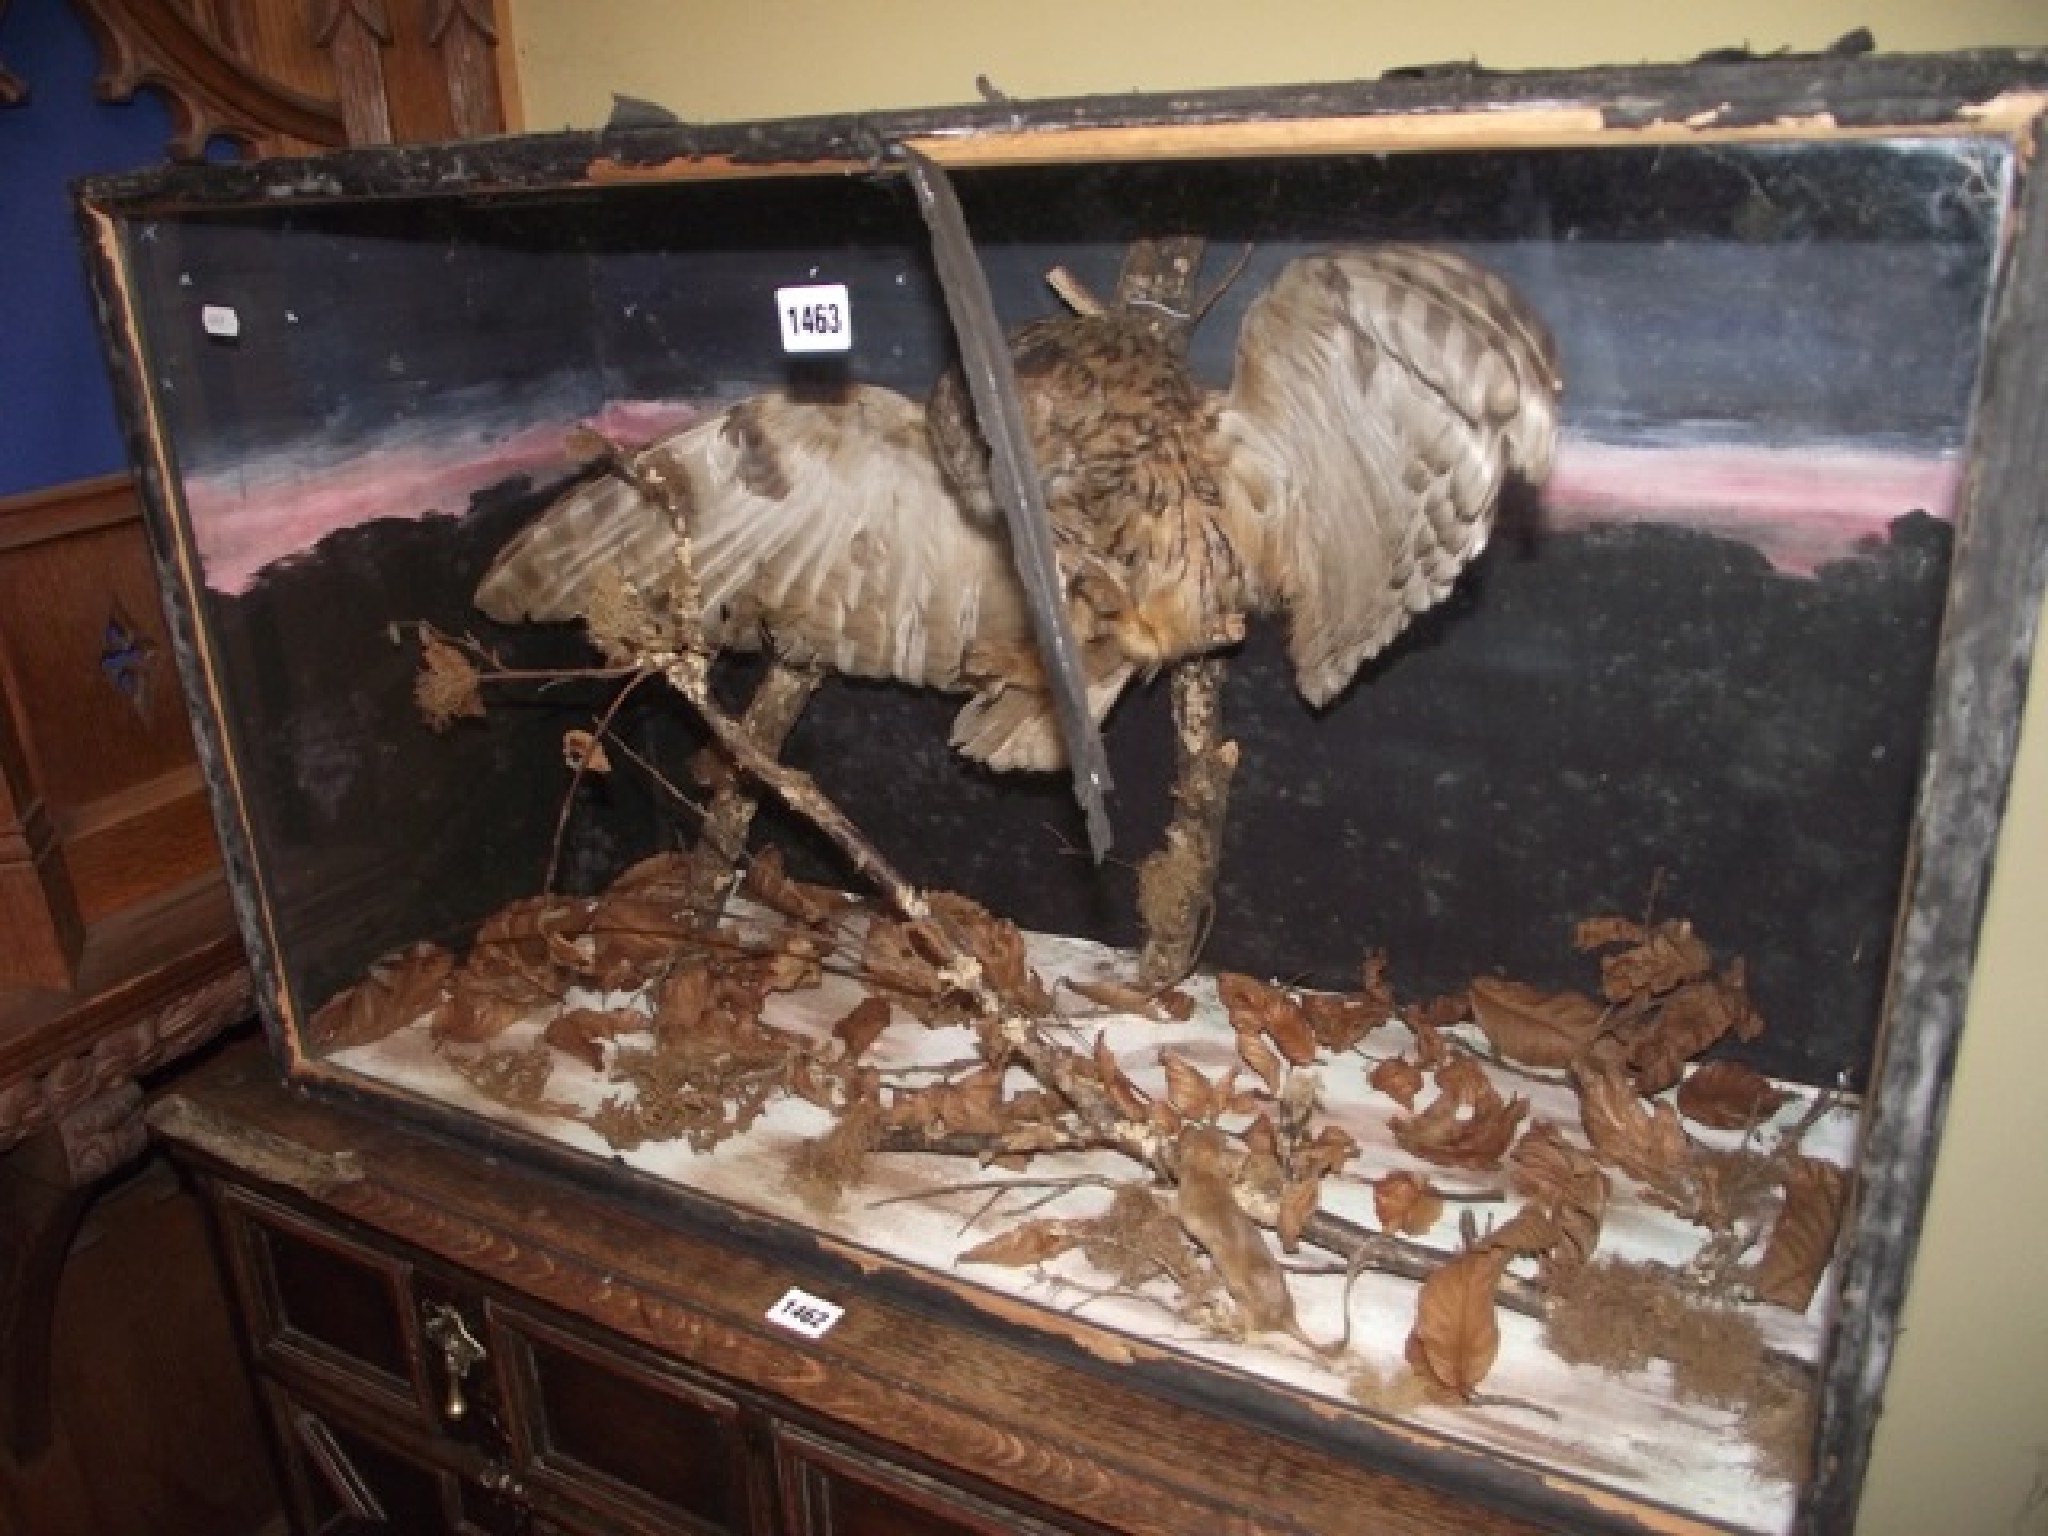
(288, 79)
(101, 729)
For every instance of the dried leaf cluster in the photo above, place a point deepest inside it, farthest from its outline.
(1234, 1165)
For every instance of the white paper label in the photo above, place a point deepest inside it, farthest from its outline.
(815, 317)
(220, 320)
(801, 1312)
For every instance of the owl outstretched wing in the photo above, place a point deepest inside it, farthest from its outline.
(821, 529)
(1382, 399)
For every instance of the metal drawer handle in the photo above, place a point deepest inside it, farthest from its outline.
(460, 1354)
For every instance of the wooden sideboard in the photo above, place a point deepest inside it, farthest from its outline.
(444, 1342)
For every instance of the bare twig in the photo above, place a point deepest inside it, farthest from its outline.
(771, 715)
(580, 768)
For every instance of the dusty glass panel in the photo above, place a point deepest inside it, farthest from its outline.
(1679, 697)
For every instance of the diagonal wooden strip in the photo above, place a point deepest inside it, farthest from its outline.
(1013, 472)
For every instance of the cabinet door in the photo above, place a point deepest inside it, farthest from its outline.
(344, 1478)
(834, 1490)
(631, 1437)
(322, 1310)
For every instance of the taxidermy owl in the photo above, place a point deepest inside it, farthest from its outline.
(1382, 398)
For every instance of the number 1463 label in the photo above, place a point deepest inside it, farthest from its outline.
(815, 318)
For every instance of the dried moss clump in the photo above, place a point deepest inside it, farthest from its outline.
(516, 1079)
(1779, 1421)
(822, 1169)
(1619, 1316)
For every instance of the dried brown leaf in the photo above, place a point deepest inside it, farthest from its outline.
(1457, 1135)
(1533, 1027)
(972, 1106)
(1027, 1243)
(1427, 1022)
(1292, 1035)
(1643, 1140)
(1261, 1141)
(1262, 1059)
(1340, 1021)
(524, 938)
(997, 944)
(1187, 1090)
(632, 940)
(1329, 1150)
(892, 957)
(767, 882)
(1803, 1238)
(1747, 1023)
(1374, 990)
(1566, 1182)
(1548, 1168)
(978, 1107)
(398, 989)
(1457, 1334)
(1122, 1091)
(446, 689)
(1122, 997)
(862, 1026)
(482, 1007)
(662, 878)
(1405, 1204)
(1532, 1230)
(791, 967)
(1461, 1077)
(1690, 1020)
(1257, 1008)
(682, 1002)
(1399, 1079)
(584, 753)
(1729, 1096)
(579, 1031)
(1668, 956)
(1605, 932)
(1298, 1202)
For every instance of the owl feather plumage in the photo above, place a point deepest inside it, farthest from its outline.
(1382, 399)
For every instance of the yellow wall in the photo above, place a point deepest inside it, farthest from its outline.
(1965, 1435)
(711, 60)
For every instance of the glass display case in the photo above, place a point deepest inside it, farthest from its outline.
(1549, 561)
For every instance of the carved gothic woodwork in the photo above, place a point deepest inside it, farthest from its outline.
(466, 34)
(290, 80)
(355, 33)
(118, 953)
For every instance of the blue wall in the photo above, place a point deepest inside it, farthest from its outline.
(56, 408)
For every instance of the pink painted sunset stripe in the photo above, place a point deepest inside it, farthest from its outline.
(276, 506)
(1802, 506)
